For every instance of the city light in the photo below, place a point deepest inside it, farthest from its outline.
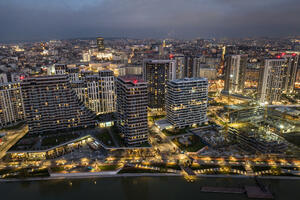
(148, 98)
(281, 126)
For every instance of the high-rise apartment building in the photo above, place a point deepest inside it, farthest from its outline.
(157, 73)
(189, 66)
(51, 105)
(95, 90)
(57, 69)
(235, 73)
(271, 82)
(101, 92)
(180, 66)
(132, 109)
(207, 72)
(11, 104)
(100, 43)
(291, 72)
(186, 101)
(198, 63)
(205, 67)
(3, 78)
(252, 76)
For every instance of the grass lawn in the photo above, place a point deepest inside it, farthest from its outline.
(136, 170)
(104, 137)
(28, 172)
(108, 167)
(57, 169)
(293, 138)
(58, 139)
(116, 132)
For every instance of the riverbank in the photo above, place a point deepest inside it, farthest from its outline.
(89, 175)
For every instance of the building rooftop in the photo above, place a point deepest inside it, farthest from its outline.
(132, 79)
(185, 80)
(158, 61)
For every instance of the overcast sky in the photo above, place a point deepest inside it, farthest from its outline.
(59, 19)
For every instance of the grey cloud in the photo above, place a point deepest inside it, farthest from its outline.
(148, 18)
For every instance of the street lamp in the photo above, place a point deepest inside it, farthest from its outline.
(281, 126)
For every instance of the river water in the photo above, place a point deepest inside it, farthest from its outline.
(140, 188)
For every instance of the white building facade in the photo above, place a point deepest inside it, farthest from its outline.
(11, 104)
(271, 80)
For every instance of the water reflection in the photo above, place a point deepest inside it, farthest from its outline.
(137, 188)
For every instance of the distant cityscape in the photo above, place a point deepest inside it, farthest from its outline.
(187, 107)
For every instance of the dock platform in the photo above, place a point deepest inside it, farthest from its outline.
(223, 190)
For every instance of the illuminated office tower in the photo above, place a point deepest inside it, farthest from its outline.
(186, 101)
(11, 104)
(100, 43)
(157, 73)
(51, 105)
(132, 109)
(271, 82)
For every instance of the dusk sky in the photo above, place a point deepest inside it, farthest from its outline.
(59, 19)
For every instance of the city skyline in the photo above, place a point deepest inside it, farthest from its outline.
(150, 99)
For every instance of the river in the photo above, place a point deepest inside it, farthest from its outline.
(140, 188)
